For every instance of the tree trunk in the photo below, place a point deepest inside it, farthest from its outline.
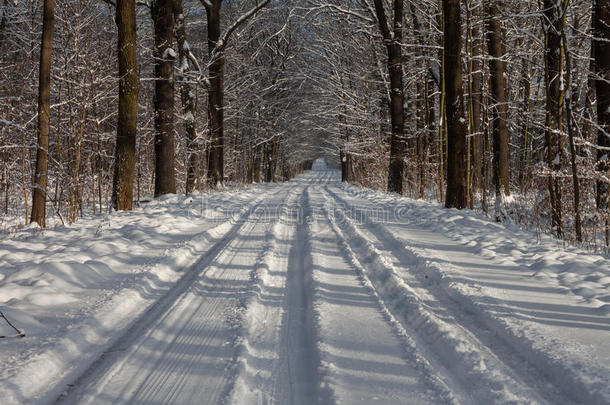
(39, 193)
(249, 160)
(271, 149)
(571, 128)
(499, 106)
(256, 165)
(346, 159)
(602, 85)
(474, 106)
(216, 46)
(125, 154)
(3, 22)
(187, 96)
(163, 21)
(215, 97)
(393, 41)
(426, 113)
(553, 26)
(454, 103)
(525, 125)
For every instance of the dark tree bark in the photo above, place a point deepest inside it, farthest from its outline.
(346, 159)
(602, 85)
(526, 136)
(553, 23)
(498, 103)
(456, 124)
(216, 46)
(187, 96)
(426, 108)
(256, 164)
(571, 129)
(3, 21)
(474, 99)
(392, 37)
(345, 166)
(215, 96)
(125, 154)
(431, 129)
(271, 155)
(39, 194)
(163, 21)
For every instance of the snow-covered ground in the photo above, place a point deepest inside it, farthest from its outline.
(305, 292)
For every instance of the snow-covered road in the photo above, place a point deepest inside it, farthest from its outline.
(301, 293)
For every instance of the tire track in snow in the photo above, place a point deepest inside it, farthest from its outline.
(261, 365)
(113, 357)
(279, 361)
(521, 379)
(300, 383)
(362, 356)
(214, 281)
(60, 360)
(412, 356)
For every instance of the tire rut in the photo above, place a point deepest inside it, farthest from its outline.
(518, 369)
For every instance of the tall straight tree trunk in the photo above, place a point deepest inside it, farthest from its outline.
(553, 22)
(571, 128)
(426, 107)
(271, 154)
(216, 46)
(163, 21)
(345, 166)
(187, 96)
(499, 106)
(431, 131)
(215, 97)
(474, 99)
(3, 21)
(422, 138)
(39, 194)
(125, 154)
(525, 125)
(256, 165)
(454, 104)
(602, 86)
(393, 38)
(346, 158)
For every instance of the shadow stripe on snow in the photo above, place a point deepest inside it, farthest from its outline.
(246, 388)
(452, 345)
(409, 346)
(324, 393)
(198, 253)
(550, 377)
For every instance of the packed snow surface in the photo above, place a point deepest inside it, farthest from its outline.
(304, 292)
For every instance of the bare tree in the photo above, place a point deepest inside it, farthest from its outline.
(217, 43)
(39, 194)
(163, 22)
(601, 43)
(554, 15)
(499, 107)
(456, 124)
(392, 37)
(125, 154)
(187, 96)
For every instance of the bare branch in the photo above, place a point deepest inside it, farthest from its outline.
(223, 41)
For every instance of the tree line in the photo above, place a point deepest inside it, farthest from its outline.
(134, 98)
(499, 105)
(505, 104)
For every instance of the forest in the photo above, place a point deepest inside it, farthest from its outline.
(501, 106)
